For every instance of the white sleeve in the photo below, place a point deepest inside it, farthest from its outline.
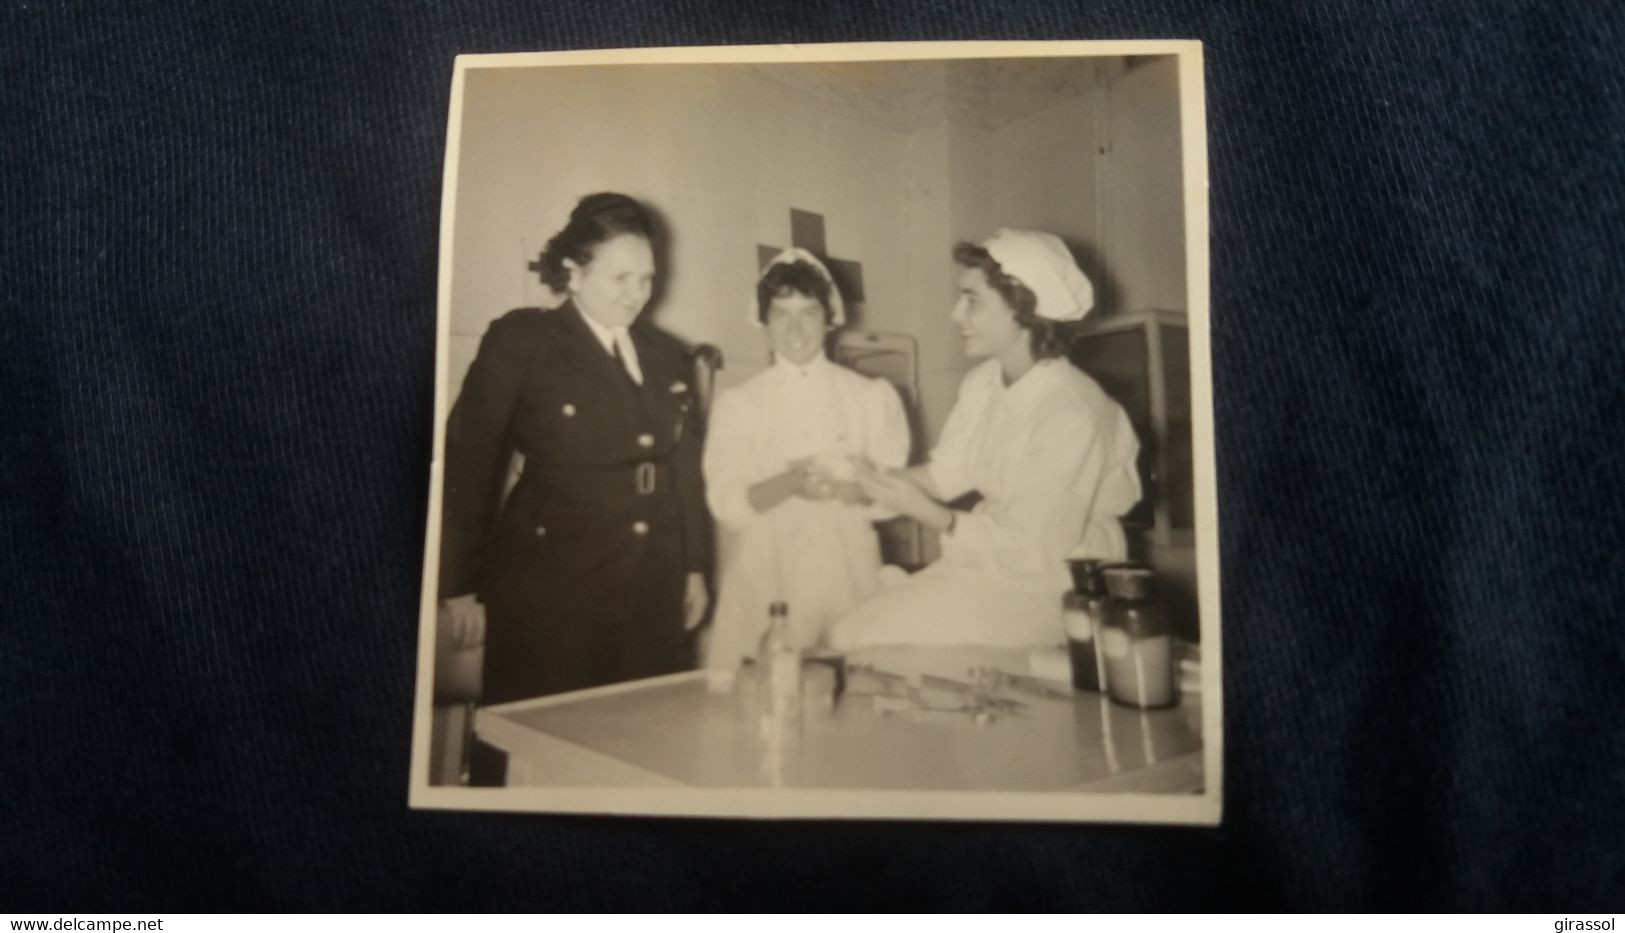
(948, 458)
(727, 460)
(1035, 527)
(1118, 491)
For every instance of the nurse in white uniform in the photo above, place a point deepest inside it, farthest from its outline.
(1051, 455)
(780, 474)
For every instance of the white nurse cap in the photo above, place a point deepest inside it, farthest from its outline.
(837, 308)
(1042, 262)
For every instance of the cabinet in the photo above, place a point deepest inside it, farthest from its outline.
(1142, 359)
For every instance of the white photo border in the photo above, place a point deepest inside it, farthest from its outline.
(796, 803)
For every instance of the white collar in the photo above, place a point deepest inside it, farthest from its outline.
(1036, 379)
(606, 335)
(1042, 373)
(816, 366)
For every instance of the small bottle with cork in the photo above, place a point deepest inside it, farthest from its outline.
(1082, 612)
(778, 663)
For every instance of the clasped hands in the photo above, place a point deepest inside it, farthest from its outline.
(905, 492)
(901, 491)
(818, 481)
(864, 483)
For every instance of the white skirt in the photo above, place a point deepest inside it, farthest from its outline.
(953, 605)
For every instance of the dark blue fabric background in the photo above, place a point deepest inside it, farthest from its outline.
(218, 231)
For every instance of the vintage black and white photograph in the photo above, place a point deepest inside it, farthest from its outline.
(825, 431)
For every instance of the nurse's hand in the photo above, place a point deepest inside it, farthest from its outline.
(895, 491)
(462, 620)
(796, 479)
(850, 493)
(890, 491)
(695, 602)
(808, 480)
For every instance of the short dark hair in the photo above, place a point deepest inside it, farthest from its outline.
(798, 276)
(597, 218)
(1044, 335)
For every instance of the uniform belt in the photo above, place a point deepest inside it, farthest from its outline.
(645, 477)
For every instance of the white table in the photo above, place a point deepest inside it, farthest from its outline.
(674, 731)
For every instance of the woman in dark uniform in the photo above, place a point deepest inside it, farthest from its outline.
(591, 571)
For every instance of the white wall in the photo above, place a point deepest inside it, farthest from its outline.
(1142, 209)
(1048, 163)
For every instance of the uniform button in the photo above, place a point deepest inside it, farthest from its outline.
(640, 528)
(540, 530)
(569, 410)
(646, 440)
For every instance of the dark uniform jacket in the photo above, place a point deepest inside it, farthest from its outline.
(583, 567)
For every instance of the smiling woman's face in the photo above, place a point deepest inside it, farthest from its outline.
(796, 326)
(616, 282)
(985, 320)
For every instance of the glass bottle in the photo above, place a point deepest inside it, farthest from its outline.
(1082, 612)
(778, 661)
(1136, 641)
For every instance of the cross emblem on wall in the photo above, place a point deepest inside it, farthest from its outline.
(807, 232)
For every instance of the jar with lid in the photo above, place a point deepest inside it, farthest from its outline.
(1136, 641)
(1081, 626)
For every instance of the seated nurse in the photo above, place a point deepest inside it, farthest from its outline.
(1051, 455)
(779, 469)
